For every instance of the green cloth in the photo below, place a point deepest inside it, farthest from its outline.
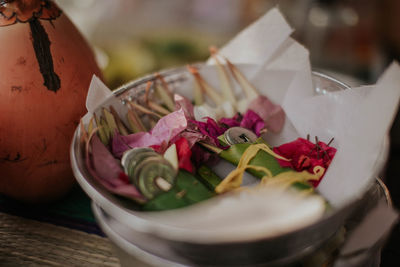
(76, 205)
(74, 208)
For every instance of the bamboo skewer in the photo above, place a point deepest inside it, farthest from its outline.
(205, 87)
(164, 93)
(225, 82)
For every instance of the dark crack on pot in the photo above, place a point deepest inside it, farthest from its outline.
(17, 158)
(41, 45)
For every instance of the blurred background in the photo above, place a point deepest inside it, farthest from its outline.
(351, 39)
(133, 37)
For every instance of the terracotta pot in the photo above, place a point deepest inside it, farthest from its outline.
(45, 70)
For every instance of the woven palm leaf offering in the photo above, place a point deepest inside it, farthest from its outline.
(163, 157)
(243, 147)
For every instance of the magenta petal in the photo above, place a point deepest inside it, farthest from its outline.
(213, 128)
(230, 122)
(257, 127)
(253, 122)
(210, 129)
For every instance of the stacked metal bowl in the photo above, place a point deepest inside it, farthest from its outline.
(139, 239)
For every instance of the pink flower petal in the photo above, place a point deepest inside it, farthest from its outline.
(183, 103)
(169, 126)
(273, 115)
(166, 129)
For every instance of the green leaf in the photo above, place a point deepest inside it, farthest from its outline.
(302, 186)
(134, 121)
(163, 93)
(187, 191)
(222, 140)
(109, 118)
(103, 134)
(208, 177)
(107, 129)
(121, 127)
(235, 152)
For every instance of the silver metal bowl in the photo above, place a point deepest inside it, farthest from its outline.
(279, 250)
(135, 249)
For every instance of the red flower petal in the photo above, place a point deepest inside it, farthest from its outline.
(184, 154)
(201, 156)
(123, 177)
(305, 155)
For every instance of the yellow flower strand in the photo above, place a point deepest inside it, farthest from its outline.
(234, 179)
(268, 150)
(285, 179)
(288, 178)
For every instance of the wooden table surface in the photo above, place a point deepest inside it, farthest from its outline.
(26, 242)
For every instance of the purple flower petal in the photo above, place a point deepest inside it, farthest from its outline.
(230, 122)
(106, 170)
(118, 145)
(253, 122)
(201, 156)
(106, 166)
(211, 129)
(258, 126)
